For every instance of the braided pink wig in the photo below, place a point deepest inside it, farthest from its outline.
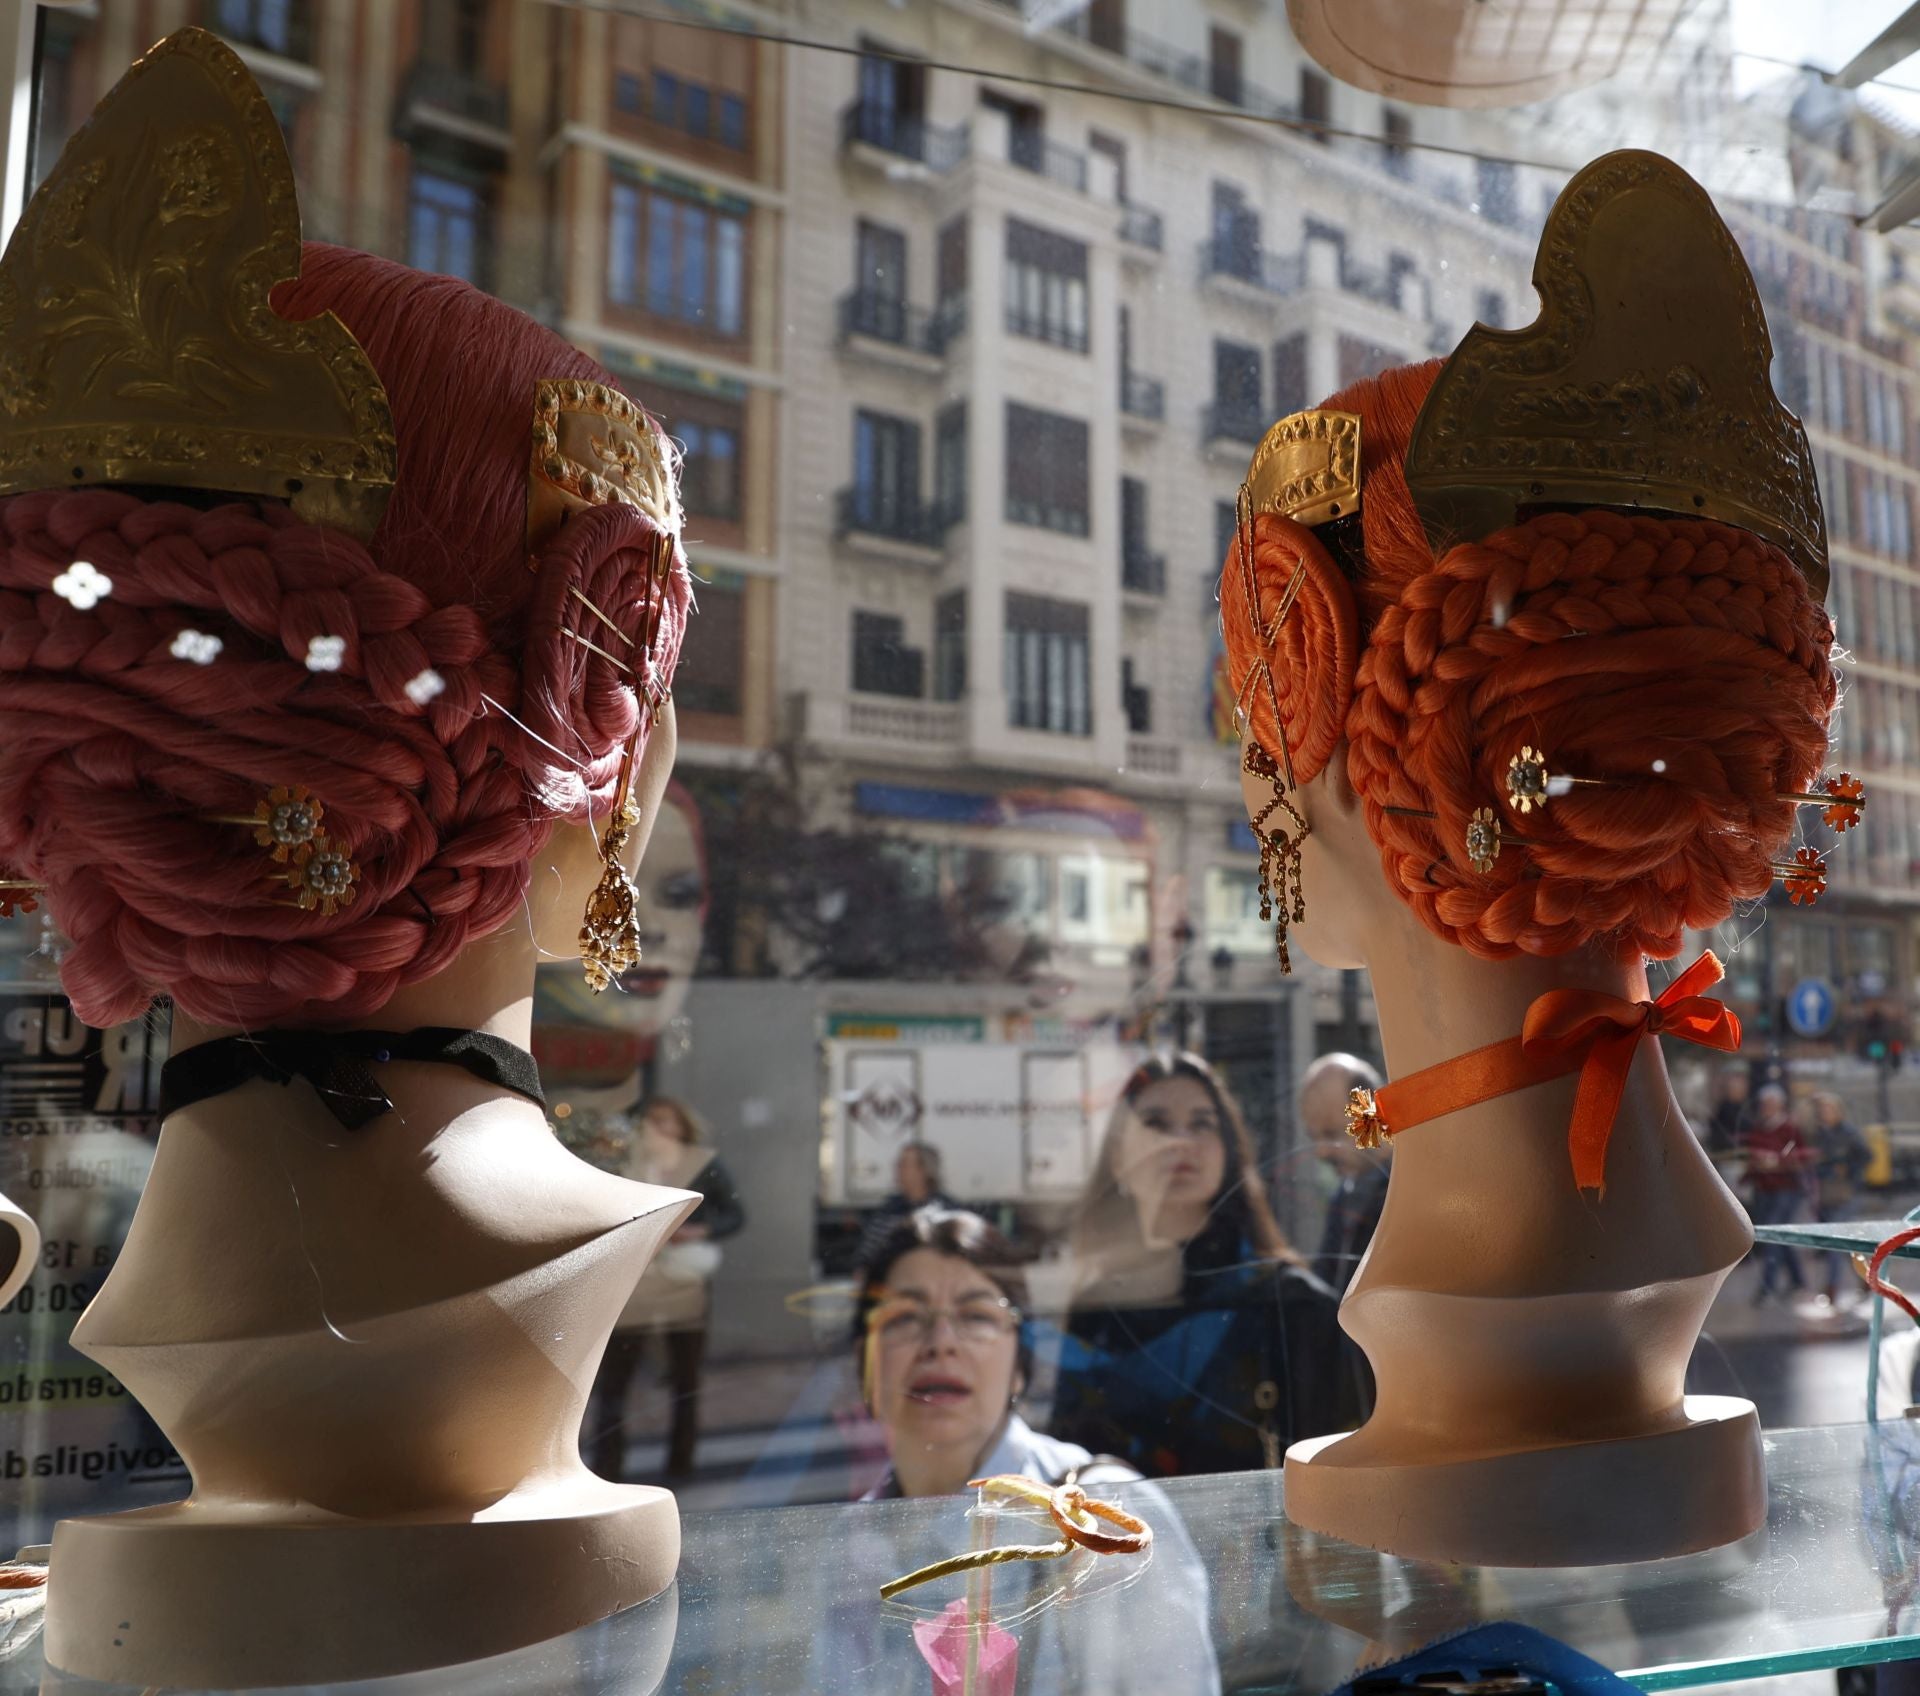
(113, 749)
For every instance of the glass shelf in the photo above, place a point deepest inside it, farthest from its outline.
(1850, 1236)
(788, 1599)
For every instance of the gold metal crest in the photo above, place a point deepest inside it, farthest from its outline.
(137, 344)
(1642, 384)
(1307, 467)
(593, 447)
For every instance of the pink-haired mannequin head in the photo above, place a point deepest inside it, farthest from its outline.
(372, 1347)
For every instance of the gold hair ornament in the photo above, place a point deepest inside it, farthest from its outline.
(1306, 468)
(610, 930)
(1643, 383)
(137, 342)
(591, 446)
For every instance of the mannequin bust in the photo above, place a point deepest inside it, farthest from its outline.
(318, 747)
(1533, 1293)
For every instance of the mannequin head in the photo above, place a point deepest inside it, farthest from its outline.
(1681, 661)
(422, 687)
(1176, 1168)
(944, 1350)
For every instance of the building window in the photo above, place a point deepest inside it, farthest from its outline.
(1046, 470)
(1046, 286)
(882, 662)
(279, 26)
(1113, 149)
(708, 429)
(1497, 191)
(950, 646)
(1316, 100)
(1046, 666)
(891, 110)
(627, 96)
(707, 679)
(445, 218)
(886, 473)
(1290, 376)
(1136, 701)
(453, 33)
(678, 258)
(1236, 388)
(1226, 526)
(1236, 234)
(1491, 309)
(1397, 138)
(1361, 358)
(1223, 66)
(1107, 25)
(950, 464)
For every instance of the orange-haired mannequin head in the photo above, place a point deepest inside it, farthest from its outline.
(1681, 663)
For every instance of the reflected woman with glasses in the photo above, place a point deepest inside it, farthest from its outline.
(945, 1356)
(1196, 1340)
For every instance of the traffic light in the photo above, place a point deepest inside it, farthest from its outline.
(1874, 1037)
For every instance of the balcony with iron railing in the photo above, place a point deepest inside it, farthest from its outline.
(1031, 151)
(431, 94)
(889, 518)
(1142, 228)
(1231, 422)
(1227, 258)
(868, 124)
(874, 315)
(1142, 572)
(1142, 399)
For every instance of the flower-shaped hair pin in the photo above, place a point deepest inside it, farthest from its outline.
(83, 585)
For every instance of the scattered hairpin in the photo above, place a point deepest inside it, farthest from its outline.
(1071, 1510)
(18, 895)
(1805, 877)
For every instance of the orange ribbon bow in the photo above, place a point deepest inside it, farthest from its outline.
(1607, 1030)
(1564, 1029)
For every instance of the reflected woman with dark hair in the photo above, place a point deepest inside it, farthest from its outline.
(1196, 1339)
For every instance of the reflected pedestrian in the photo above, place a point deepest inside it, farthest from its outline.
(1779, 1163)
(669, 1307)
(1196, 1340)
(1732, 1090)
(916, 1184)
(1353, 1212)
(1842, 1158)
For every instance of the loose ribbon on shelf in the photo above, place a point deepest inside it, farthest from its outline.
(1565, 1030)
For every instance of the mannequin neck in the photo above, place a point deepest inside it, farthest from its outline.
(489, 987)
(1435, 1001)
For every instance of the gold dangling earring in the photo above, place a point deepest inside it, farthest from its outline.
(1281, 897)
(610, 935)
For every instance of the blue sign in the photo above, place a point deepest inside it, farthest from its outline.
(1810, 1007)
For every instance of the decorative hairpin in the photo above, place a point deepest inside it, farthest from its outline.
(322, 877)
(18, 895)
(287, 822)
(1529, 784)
(1804, 876)
(1484, 837)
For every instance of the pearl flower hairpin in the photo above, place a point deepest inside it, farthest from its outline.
(196, 645)
(326, 653)
(83, 585)
(428, 686)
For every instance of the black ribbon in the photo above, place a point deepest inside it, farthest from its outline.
(339, 1065)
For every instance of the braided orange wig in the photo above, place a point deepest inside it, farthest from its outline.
(1681, 660)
